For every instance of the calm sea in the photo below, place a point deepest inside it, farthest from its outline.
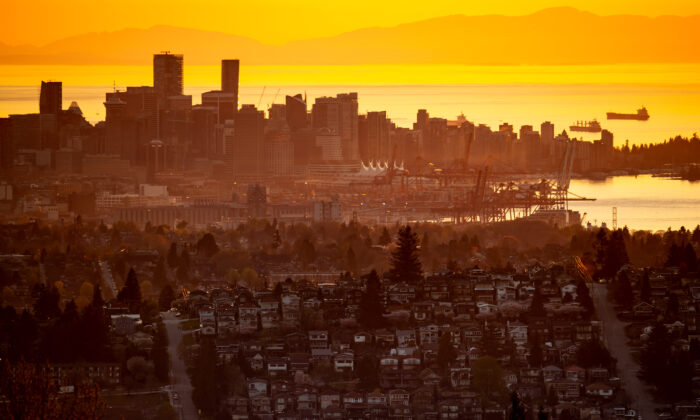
(485, 94)
(643, 202)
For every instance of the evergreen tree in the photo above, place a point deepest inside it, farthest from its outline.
(689, 257)
(166, 297)
(306, 251)
(277, 291)
(583, 297)
(406, 265)
(517, 411)
(656, 354)
(537, 303)
(425, 243)
(351, 260)
(173, 259)
(622, 292)
(368, 373)
(645, 288)
(62, 343)
(384, 238)
(46, 305)
(185, 262)
(672, 307)
(160, 276)
(204, 392)
(490, 342)
(371, 312)
(535, 358)
(95, 329)
(159, 354)
(695, 237)
(131, 292)
(592, 353)
(675, 256)
(614, 254)
(207, 245)
(97, 300)
(446, 351)
(276, 240)
(679, 378)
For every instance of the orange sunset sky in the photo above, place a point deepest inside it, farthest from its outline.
(38, 22)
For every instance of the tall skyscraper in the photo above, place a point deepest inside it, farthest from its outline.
(51, 98)
(244, 144)
(225, 104)
(547, 132)
(135, 122)
(295, 107)
(339, 114)
(167, 75)
(378, 136)
(229, 78)
(115, 125)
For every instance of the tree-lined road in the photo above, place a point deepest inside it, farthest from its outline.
(180, 380)
(616, 341)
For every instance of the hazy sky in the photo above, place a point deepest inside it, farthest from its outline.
(276, 21)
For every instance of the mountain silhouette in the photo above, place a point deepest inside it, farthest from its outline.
(560, 35)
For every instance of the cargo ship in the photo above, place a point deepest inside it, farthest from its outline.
(588, 126)
(641, 115)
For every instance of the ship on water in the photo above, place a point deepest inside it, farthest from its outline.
(641, 115)
(587, 126)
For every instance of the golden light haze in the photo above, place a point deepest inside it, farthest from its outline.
(39, 22)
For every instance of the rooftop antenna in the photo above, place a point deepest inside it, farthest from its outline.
(114, 85)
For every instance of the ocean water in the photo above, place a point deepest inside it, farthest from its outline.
(643, 202)
(489, 95)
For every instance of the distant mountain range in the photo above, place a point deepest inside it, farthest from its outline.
(551, 36)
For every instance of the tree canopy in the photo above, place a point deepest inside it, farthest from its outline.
(405, 262)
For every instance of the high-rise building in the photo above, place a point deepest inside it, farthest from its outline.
(295, 107)
(51, 98)
(225, 104)
(378, 137)
(115, 125)
(245, 147)
(5, 144)
(547, 139)
(134, 123)
(229, 78)
(339, 114)
(204, 120)
(547, 132)
(280, 156)
(167, 75)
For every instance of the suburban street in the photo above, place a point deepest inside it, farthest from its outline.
(627, 367)
(108, 279)
(180, 381)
